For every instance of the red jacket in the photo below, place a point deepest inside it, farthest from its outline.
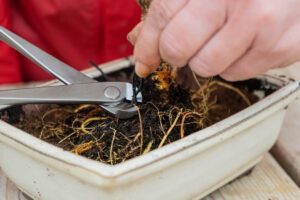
(74, 31)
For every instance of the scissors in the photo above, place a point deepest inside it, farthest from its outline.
(112, 97)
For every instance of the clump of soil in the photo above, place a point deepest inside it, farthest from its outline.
(168, 113)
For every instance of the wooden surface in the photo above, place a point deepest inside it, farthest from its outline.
(287, 149)
(268, 181)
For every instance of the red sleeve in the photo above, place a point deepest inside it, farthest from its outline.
(10, 71)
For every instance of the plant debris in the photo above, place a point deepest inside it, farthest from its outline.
(168, 113)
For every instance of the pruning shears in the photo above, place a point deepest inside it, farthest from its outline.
(113, 97)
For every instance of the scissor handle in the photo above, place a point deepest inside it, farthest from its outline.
(100, 93)
(57, 68)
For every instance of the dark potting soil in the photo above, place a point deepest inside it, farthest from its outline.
(168, 113)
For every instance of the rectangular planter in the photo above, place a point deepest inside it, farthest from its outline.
(187, 169)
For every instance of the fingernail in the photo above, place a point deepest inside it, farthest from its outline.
(141, 69)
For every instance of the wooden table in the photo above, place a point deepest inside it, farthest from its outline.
(274, 178)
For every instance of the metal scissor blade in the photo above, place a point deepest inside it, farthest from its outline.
(123, 110)
(57, 68)
(110, 94)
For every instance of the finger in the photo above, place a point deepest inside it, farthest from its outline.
(222, 50)
(134, 33)
(146, 51)
(268, 51)
(253, 63)
(190, 29)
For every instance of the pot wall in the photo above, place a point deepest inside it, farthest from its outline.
(203, 170)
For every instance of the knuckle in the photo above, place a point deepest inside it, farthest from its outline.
(259, 51)
(172, 50)
(217, 15)
(262, 50)
(160, 13)
(267, 16)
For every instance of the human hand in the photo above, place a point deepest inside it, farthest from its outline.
(235, 39)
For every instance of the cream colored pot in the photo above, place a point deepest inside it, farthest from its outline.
(187, 169)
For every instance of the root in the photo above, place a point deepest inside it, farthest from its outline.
(196, 79)
(236, 90)
(199, 121)
(90, 120)
(80, 149)
(141, 129)
(148, 148)
(111, 158)
(84, 107)
(68, 136)
(170, 129)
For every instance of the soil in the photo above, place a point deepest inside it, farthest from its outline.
(169, 112)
